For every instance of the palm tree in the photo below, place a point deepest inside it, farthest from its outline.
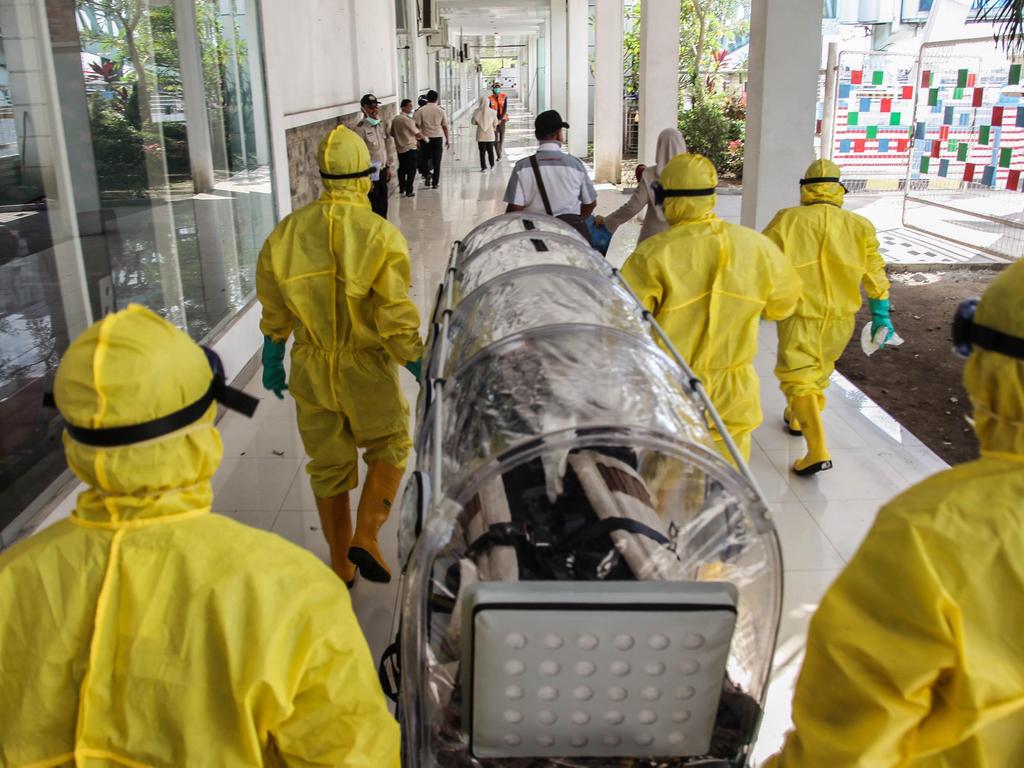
(1007, 16)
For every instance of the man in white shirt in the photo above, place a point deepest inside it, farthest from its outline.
(432, 123)
(569, 189)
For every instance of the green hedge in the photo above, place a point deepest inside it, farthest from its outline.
(715, 127)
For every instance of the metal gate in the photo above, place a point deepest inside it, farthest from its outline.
(965, 166)
(873, 96)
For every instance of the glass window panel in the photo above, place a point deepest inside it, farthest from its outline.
(150, 115)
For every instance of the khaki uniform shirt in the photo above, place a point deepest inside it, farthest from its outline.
(377, 141)
(431, 120)
(403, 131)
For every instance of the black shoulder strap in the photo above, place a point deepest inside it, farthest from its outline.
(540, 185)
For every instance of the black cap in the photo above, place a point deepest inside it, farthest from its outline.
(369, 100)
(548, 122)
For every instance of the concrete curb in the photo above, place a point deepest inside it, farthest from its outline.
(933, 267)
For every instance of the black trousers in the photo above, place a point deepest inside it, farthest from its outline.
(486, 153)
(423, 160)
(379, 196)
(407, 170)
(499, 138)
(436, 150)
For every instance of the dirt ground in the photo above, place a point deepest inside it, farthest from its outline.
(921, 383)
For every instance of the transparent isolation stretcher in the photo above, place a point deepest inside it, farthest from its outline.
(586, 581)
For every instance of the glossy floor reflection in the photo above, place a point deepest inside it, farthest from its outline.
(821, 520)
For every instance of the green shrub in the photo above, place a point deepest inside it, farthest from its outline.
(715, 127)
(117, 146)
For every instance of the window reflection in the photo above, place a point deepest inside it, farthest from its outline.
(134, 156)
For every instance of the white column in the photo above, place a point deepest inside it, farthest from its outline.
(545, 103)
(828, 115)
(256, 86)
(417, 51)
(785, 54)
(579, 76)
(190, 55)
(411, 28)
(35, 92)
(608, 92)
(539, 67)
(659, 72)
(559, 52)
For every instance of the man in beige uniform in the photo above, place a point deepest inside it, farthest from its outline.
(375, 134)
(433, 124)
(406, 136)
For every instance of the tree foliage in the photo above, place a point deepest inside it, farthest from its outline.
(716, 127)
(1008, 18)
(706, 27)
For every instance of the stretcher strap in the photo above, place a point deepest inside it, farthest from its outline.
(611, 525)
(511, 534)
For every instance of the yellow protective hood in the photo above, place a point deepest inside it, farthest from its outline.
(995, 382)
(689, 172)
(129, 368)
(343, 151)
(831, 192)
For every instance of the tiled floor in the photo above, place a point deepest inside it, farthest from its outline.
(821, 521)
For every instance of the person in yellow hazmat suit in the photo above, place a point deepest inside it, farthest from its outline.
(145, 630)
(708, 282)
(835, 252)
(915, 656)
(337, 276)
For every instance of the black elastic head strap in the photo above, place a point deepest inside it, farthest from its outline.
(824, 180)
(112, 437)
(968, 334)
(660, 193)
(992, 340)
(341, 176)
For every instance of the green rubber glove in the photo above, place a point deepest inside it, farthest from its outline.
(880, 319)
(273, 367)
(415, 368)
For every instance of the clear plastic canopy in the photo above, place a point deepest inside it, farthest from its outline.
(563, 444)
(521, 250)
(511, 224)
(536, 297)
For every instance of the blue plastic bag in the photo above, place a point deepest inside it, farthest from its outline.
(600, 237)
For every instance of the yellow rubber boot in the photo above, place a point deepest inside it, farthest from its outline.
(807, 408)
(336, 521)
(792, 422)
(375, 504)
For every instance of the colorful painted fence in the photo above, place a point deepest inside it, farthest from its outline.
(966, 166)
(873, 118)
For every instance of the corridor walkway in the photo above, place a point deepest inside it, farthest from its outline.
(821, 520)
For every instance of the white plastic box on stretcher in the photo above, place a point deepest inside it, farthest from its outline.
(586, 581)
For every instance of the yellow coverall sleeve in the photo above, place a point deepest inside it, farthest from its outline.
(876, 283)
(642, 275)
(786, 285)
(277, 319)
(877, 648)
(340, 716)
(774, 231)
(396, 316)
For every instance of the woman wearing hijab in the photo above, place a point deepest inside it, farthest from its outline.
(486, 121)
(670, 144)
